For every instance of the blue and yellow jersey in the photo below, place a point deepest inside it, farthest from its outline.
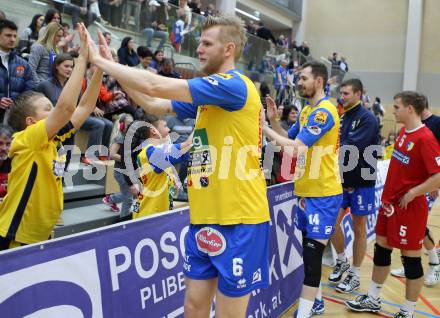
(317, 168)
(35, 195)
(156, 176)
(226, 183)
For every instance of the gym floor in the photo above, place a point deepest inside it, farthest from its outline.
(393, 291)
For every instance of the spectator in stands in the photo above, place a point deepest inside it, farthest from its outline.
(378, 111)
(66, 42)
(5, 161)
(288, 117)
(264, 92)
(334, 60)
(30, 34)
(126, 53)
(304, 49)
(112, 100)
(195, 6)
(15, 73)
(251, 28)
(44, 51)
(366, 100)
(52, 15)
(76, 11)
(293, 46)
(99, 128)
(112, 11)
(168, 70)
(61, 70)
(265, 33)
(343, 64)
(281, 82)
(125, 194)
(210, 10)
(157, 62)
(145, 58)
(178, 30)
(108, 38)
(183, 4)
(152, 26)
(283, 41)
(2, 15)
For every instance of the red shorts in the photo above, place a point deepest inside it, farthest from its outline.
(404, 229)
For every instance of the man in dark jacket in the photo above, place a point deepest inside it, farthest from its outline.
(15, 73)
(359, 129)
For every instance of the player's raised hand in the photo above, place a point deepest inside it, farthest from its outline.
(104, 50)
(271, 108)
(84, 39)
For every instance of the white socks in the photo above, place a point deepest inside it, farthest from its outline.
(304, 308)
(342, 257)
(374, 290)
(409, 306)
(433, 257)
(319, 294)
(355, 270)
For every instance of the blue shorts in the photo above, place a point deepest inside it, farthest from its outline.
(317, 216)
(237, 254)
(361, 201)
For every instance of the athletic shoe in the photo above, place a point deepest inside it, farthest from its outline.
(433, 276)
(403, 314)
(317, 309)
(364, 303)
(113, 206)
(339, 270)
(350, 283)
(398, 272)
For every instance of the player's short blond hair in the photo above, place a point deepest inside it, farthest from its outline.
(232, 31)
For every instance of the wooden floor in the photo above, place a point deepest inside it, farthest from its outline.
(393, 291)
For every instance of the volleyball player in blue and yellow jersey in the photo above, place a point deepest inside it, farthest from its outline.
(315, 142)
(155, 161)
(35, 197)
(226, 249)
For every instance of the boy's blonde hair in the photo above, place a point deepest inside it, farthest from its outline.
(49, 34)
(232, 31)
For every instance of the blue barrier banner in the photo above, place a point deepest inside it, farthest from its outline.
(134, 269)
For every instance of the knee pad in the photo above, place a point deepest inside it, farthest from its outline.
(312, 256)
(428, 236)
(382, 256)
(413, 267)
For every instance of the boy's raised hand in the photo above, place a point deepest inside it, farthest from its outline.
(84, 38)
(104, 50)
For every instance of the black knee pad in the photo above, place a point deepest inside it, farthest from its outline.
(413, 267)
(382, 256)
(428, 235)
(312, 256)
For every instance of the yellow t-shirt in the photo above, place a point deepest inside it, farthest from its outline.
(317, 169)
(155, 194)
(226, 183)
(35, 196)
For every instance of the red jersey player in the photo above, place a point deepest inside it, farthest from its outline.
(414, 170)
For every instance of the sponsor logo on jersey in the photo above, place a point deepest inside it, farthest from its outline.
(438, 160)
(388, 209)
(320, 117)
(256, 277)
(401, 157)
(210, 241)
(409, 146)
(314, 130)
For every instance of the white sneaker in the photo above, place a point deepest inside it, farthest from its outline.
(433, 276)
(398, 272)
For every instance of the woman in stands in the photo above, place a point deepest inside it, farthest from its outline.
(44, 52)
(127, 54)
(157, 62)
(52, 15)
(30, 34)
